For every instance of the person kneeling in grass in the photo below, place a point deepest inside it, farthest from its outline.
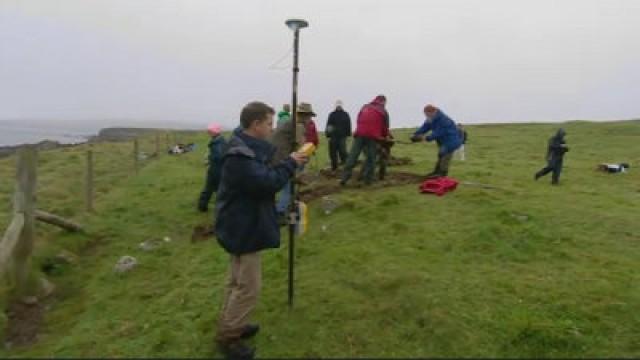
(246, 221)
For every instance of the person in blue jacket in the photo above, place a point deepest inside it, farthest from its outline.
(445, 133)
(214, 169)
(247, 221)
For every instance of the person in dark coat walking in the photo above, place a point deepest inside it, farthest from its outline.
(556, 149)
(214, 169)
(372, 126)
(337, 131)
(463, 136)
(445, 133)
(246, 221)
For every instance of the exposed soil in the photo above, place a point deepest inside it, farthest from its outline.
(399, 161)
(309, 194)
(202, 233)
(329, 183)
(24, 324)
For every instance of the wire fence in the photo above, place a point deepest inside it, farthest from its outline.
(54, 186)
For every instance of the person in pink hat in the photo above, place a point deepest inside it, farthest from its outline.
(216, 150)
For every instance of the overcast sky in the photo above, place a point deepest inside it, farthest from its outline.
(201, 60)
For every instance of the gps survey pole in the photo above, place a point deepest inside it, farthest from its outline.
(295, 25)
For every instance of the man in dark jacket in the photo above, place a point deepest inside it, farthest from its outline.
(372, 126)
(445, 133)
(338, 130)
(214, 169)
(246, 221)
(556, 149)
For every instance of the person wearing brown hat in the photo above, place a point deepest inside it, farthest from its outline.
(285, 144)
(310, 131)
(444, 132)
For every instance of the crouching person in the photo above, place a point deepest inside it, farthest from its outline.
(445, 133)
(246, 221)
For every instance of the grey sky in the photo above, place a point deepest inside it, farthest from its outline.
(201, 60)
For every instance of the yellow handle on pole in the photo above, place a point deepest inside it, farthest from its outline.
(307, 149)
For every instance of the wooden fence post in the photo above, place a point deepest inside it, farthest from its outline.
(135, 155)
(9, 241)
(89, 182)
(25, 204)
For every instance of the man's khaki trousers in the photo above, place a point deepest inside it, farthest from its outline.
(240, 296)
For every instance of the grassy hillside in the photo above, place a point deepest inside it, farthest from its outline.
(522, 270)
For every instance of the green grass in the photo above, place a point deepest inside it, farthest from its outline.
(395, 274)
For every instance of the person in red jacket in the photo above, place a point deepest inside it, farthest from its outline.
(372, 127)
(310, 132)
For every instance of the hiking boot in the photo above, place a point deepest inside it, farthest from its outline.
(203, 208)
(236, 350)
(250, 331)
(536, 177)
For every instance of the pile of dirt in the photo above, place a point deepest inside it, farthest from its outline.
(202, 233)
(24, 324)
(399, 161)
(395, 176)
(330, 185)
(309, 194)
(402, 178)
(327, 173)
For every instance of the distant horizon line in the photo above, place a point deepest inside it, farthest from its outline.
(141, 123)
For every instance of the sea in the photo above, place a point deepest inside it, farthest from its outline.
(18, 132)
